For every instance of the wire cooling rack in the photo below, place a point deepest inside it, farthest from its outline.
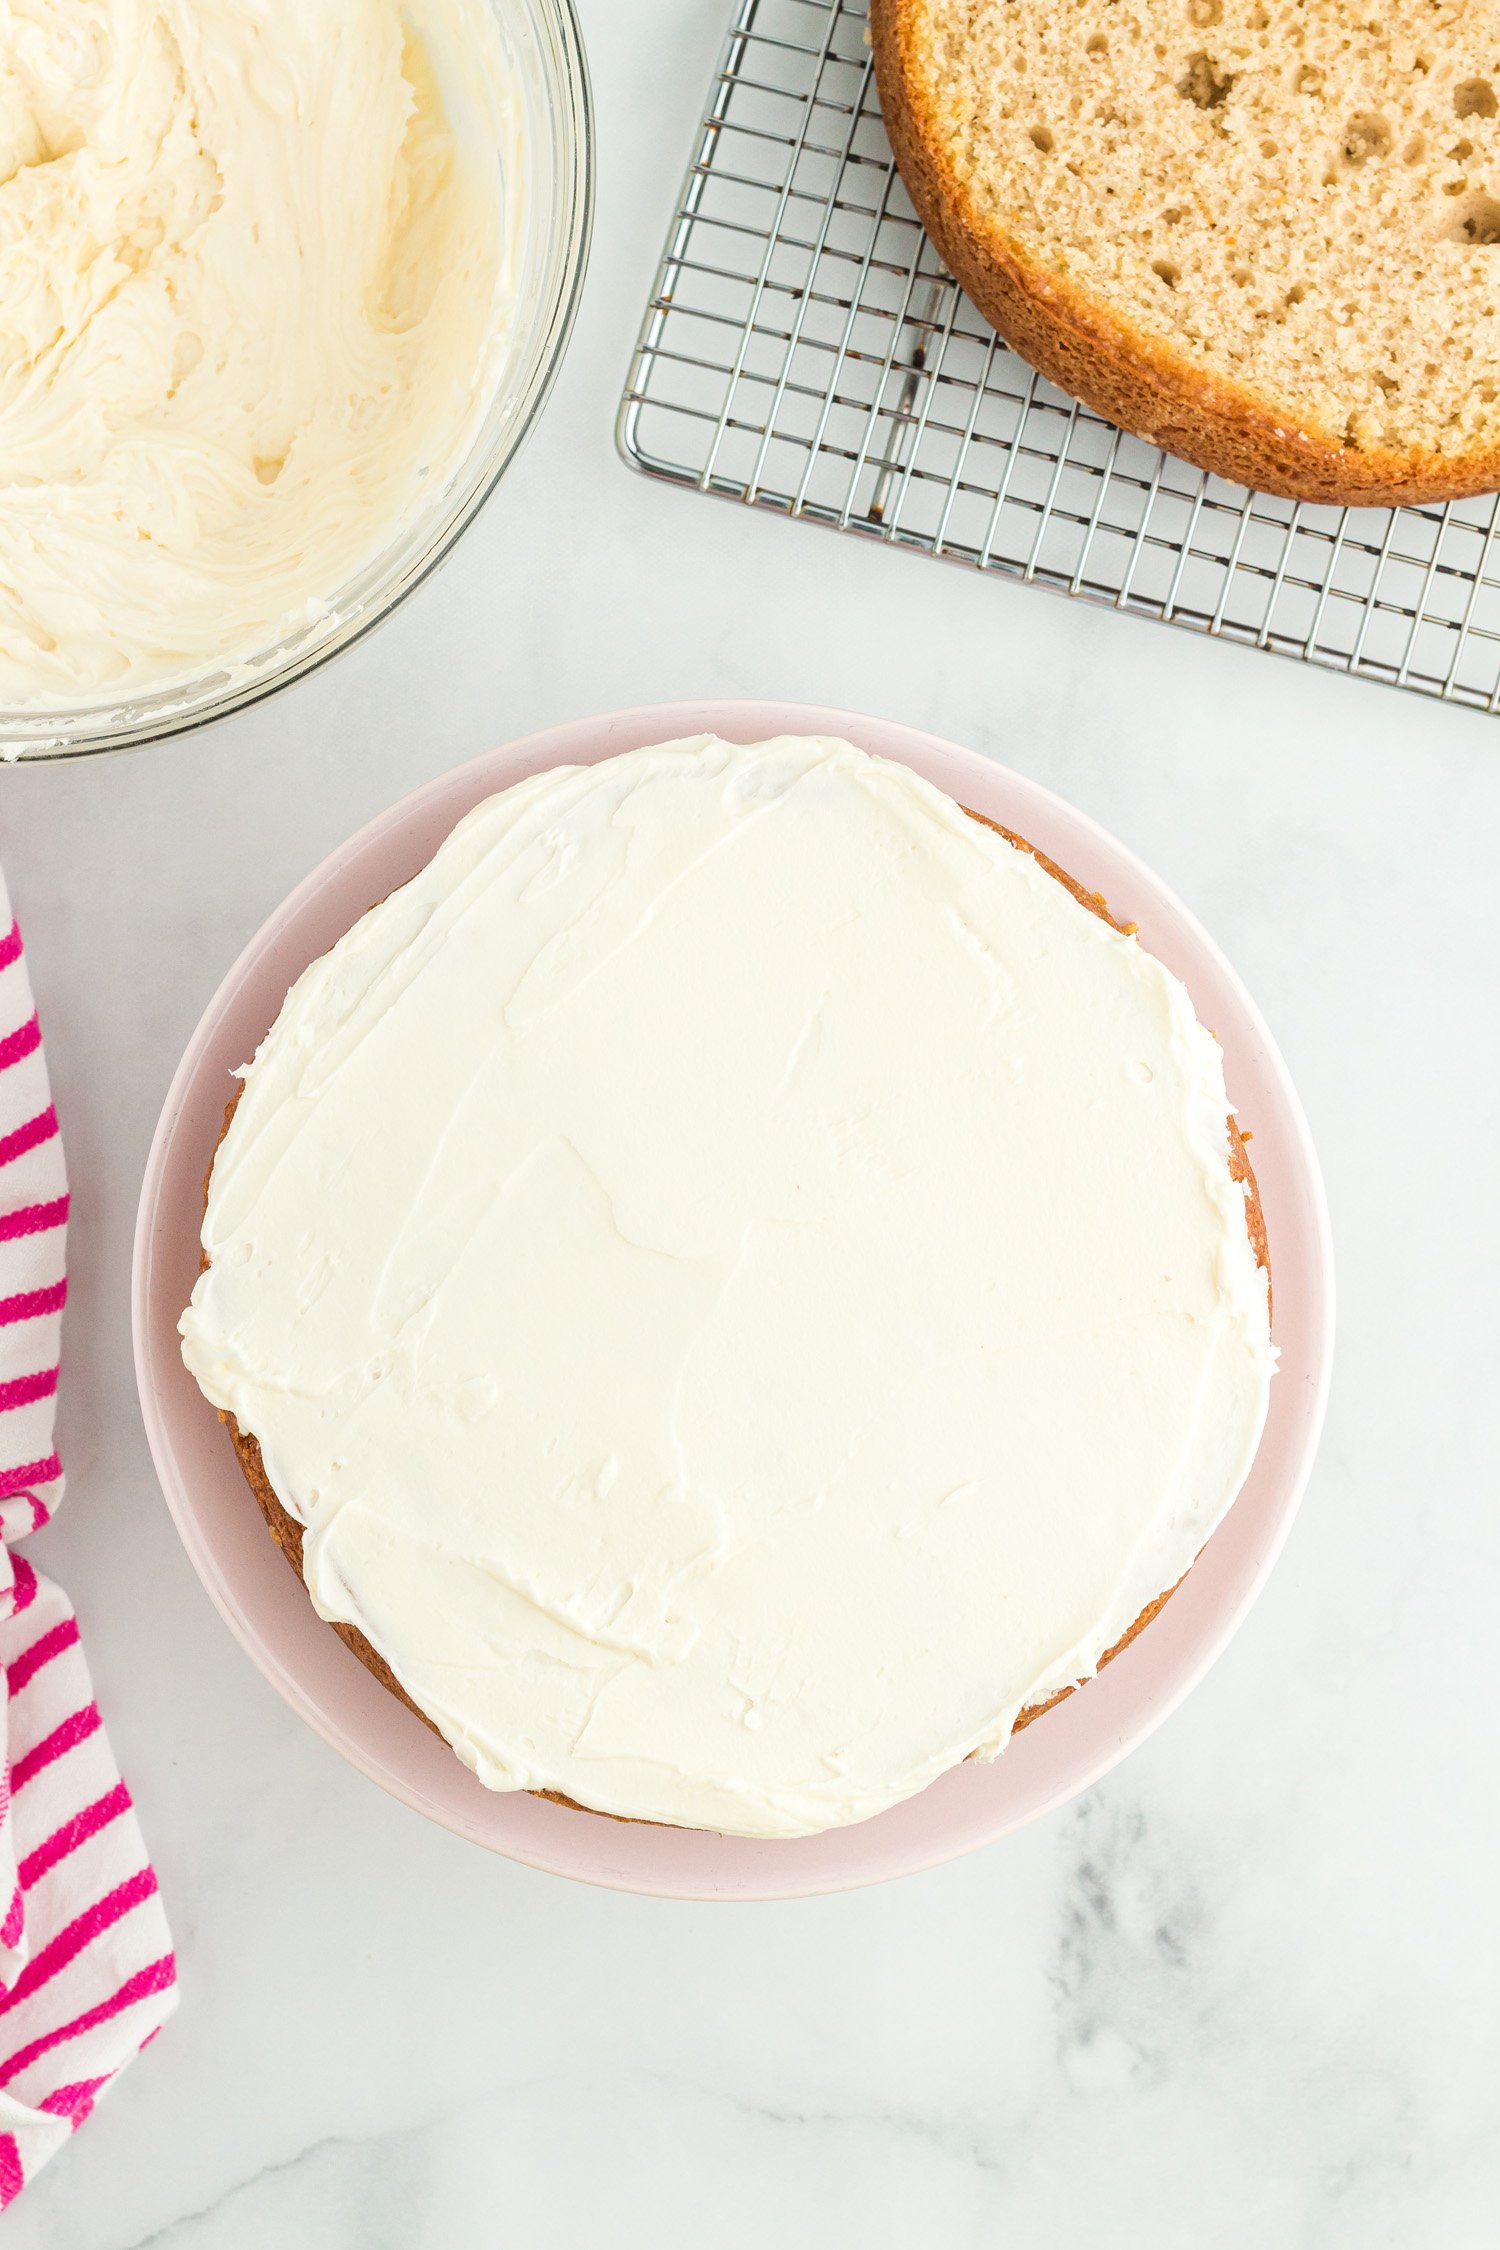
(805, 351)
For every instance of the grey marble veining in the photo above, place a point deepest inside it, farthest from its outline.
(1246, 1994)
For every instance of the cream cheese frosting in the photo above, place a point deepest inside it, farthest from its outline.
(738, 1274)
(254, 270)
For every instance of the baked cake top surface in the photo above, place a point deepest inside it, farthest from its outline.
(1303, 198)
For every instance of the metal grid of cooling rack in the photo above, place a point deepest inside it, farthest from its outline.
(805, 351)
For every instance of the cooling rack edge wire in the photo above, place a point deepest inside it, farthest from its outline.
(804, 351)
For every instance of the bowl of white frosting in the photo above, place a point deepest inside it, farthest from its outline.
(282, 291)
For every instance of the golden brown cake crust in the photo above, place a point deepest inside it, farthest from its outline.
(1132, 379)
(287, 1532)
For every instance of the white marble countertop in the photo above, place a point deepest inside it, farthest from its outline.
(1243, 1996)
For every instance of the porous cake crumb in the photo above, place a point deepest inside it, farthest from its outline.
(1266, 234)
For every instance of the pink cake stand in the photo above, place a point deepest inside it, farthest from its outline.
(269, 1613)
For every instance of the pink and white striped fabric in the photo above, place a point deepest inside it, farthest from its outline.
(86, 1968)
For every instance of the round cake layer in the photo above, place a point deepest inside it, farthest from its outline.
(1260, 232)
(736, 1273)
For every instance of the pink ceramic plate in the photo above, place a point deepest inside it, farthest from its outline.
(1050, 1762)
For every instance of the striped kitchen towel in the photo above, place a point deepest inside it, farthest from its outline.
(86, 1968)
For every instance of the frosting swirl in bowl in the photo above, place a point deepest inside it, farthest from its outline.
(253, 268)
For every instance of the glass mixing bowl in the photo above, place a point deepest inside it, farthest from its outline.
(545, 50)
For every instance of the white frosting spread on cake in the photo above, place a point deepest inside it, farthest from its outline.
(739, 1275)
(253, 265)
